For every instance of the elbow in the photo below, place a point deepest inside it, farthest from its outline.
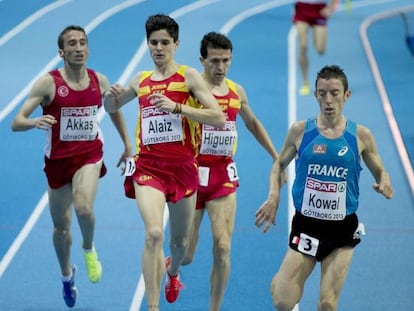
(14, 126)
(110, 108)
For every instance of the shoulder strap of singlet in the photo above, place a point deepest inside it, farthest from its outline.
(145, 74)
(231, 85)
(182, 69)
(93, 75)
(54, 73)
(350, 136)
(309, 134)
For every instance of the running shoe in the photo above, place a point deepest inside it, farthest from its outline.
(93, 265)
(173, 284)
(304, 90)
(70, 292)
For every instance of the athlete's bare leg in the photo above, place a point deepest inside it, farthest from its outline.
(221, 212)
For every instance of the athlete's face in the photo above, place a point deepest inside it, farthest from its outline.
(162, 47)
(331, 97)
(216, 64)
(75, 48)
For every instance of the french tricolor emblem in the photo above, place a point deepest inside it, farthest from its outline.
(295, 240)
(319, 149)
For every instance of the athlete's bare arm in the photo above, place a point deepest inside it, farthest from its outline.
(42, 93)
(117, 95)
(266, 214)
(211, 112)
(368, 149)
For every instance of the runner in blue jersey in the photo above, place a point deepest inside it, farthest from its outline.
(327, 150)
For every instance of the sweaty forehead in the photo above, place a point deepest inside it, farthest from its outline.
(161, 34)
(329, 84)
(218, 53)
(74, 35)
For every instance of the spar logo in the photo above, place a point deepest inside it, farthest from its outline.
(77, 112)
(324, 186)
(150, 112)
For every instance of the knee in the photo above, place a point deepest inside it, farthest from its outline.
(320, 50)
(84, 211)
(280, 304)
(61, 231)
(303, 51)
(326, 305)
(82, 206)
(62, 234)
(154, 237)
(280, 301)
(221, 251)
(180, 242)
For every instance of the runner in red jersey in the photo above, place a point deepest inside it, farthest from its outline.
(311, 14)
(217, 169)
(165, 163)
(71, 98)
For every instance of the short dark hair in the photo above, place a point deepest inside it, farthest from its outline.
(160, 22)
(214, 40)
(332, 72)
(67, 29)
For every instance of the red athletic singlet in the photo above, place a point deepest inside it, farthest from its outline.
(160, 134)
(216, 143)
(77, 130)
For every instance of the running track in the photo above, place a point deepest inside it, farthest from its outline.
(368, 43)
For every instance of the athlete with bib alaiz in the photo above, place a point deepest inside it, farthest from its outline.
(327, 151)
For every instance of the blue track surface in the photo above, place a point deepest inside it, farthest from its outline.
(381, 273)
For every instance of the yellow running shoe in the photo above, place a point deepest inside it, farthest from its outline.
(93, 265)
(304, 90)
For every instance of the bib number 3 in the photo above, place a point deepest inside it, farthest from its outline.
(308, 245)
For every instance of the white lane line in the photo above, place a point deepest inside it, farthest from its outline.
(27, 228)
(31, 19)
(387, 106)
(55, 60)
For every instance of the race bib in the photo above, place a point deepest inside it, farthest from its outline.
(232, 172)
(129, 169)
(78, 123)
(306, 244)
(324, 199)
(216, 141)
(203, 175)
(160, 126)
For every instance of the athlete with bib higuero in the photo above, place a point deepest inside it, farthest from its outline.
(218, 176)
(217, 169)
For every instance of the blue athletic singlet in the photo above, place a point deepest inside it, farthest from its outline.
(327, 174)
